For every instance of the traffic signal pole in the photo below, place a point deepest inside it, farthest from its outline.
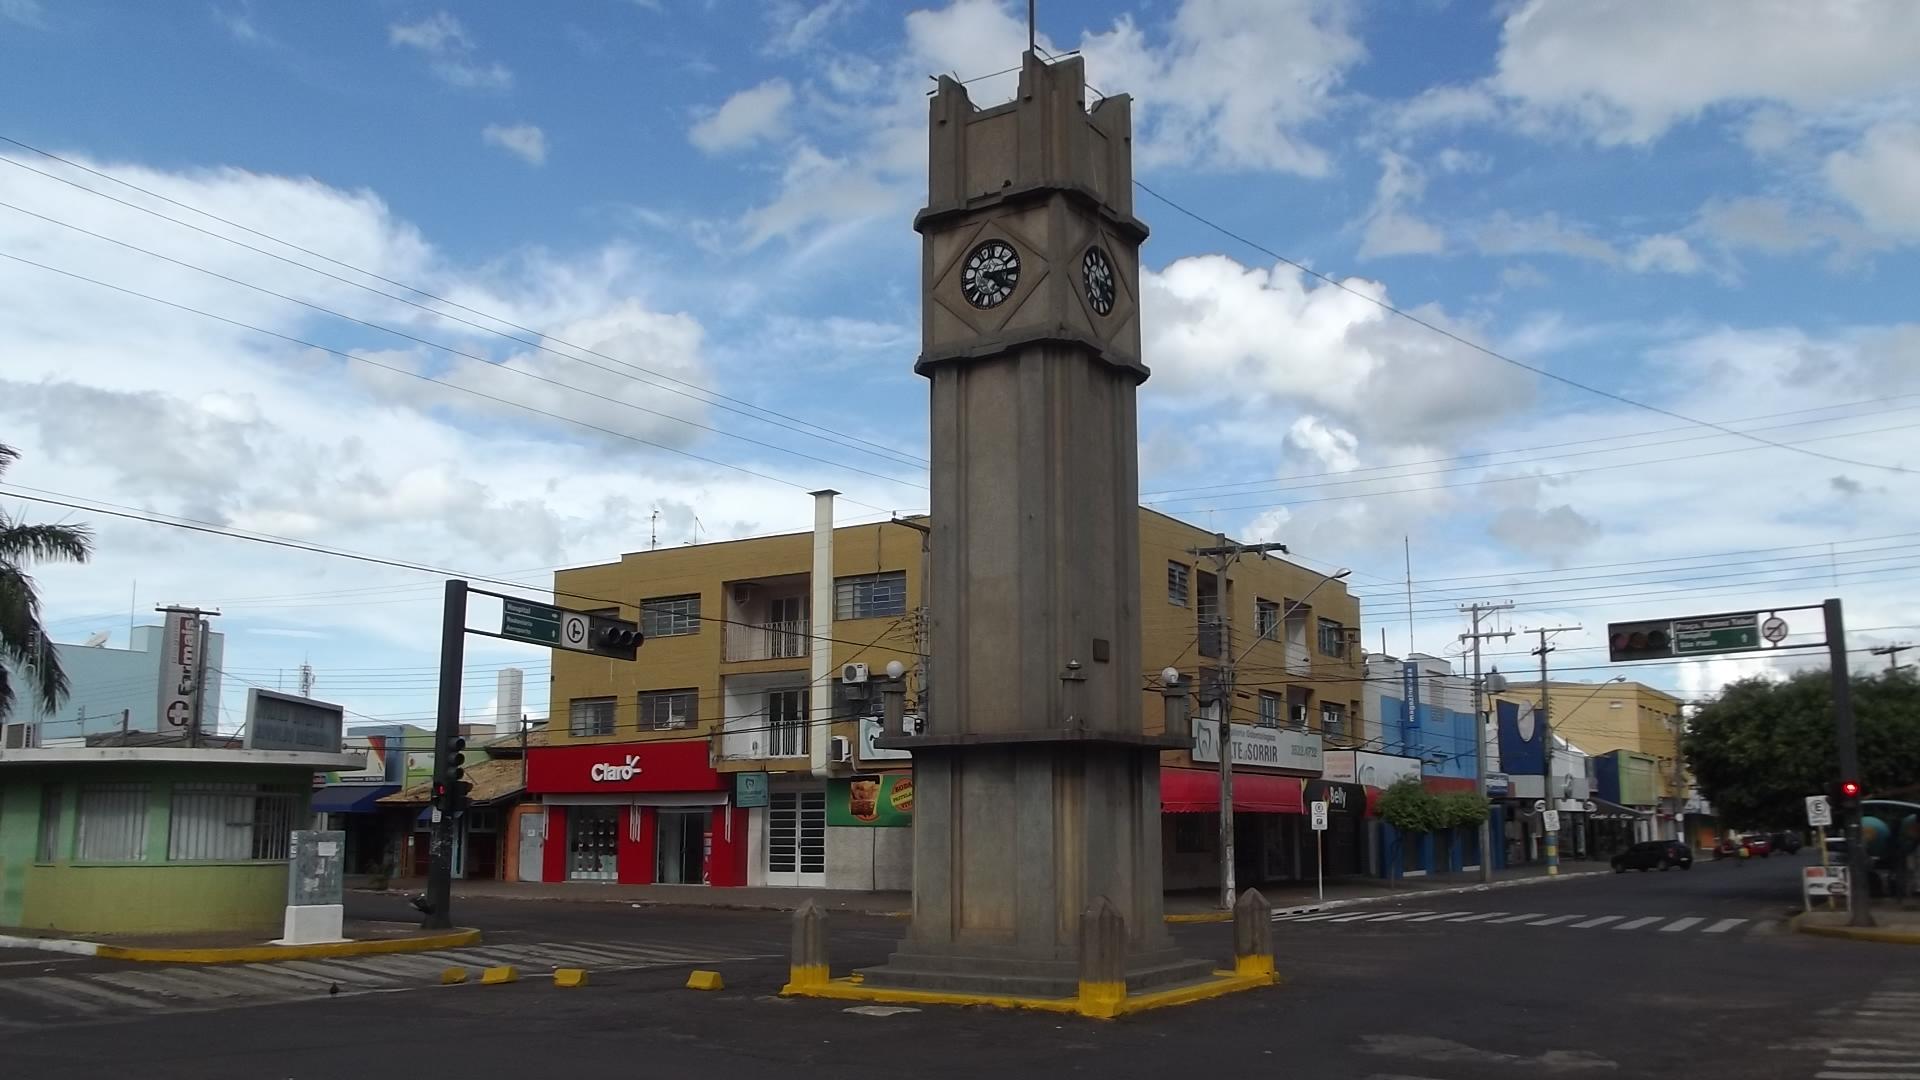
(1858, 895)
(453, 659)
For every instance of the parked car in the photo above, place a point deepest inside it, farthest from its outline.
(1788, 842)
(1648, 854)
(1759, 845)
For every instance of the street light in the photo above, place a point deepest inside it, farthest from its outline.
(1225, 729)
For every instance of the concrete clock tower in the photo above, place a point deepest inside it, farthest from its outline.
(1036, 789)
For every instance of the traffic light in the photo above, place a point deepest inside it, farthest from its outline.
(450, 787)
(1640, 640)
(1847, 797)
(618, 639)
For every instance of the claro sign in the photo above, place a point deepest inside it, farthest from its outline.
(600, 768)
(609, 773)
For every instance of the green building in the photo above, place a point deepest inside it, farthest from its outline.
(151, 839)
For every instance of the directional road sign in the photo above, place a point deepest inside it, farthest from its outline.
(574, 631)
(1819, 811)
(538, 623)
(1716, 634)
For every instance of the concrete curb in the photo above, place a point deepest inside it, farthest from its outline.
(1406, 897)
(587, 899)
(1880, 934)
(246, 954)
(1184, 917)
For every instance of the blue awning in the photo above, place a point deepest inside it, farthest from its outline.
(349, 798)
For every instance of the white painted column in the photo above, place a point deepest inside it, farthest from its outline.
(820, 626)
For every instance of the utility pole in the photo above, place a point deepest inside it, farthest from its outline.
(1480, 723)
(1224, 554)
(453, 653)
(1859, 902)
(1552, 837)
(1892, 653)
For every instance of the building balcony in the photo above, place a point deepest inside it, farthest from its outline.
(1299, 661)
(787, 639)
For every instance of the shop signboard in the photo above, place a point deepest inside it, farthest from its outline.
(1370, 769)
(749, 790)
(610, 768)
(881, 800)
(1259, 747)
(277, 721)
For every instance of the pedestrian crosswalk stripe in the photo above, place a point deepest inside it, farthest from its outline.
(1601, 921)
(288, 975)
(153, 983)
(1555, 921)
(1680, 924)
(1477, 918)
(1321, 915)
(1441, 915)
(60, 997)
(1723, 926)
(1354, 916)
(1635, 924)
(118, 999)
(1518, 918)
(340, 973)
(392, 965)
(1832, 1075)
(1397, 915)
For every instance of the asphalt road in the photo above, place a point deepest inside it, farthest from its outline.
(1419, 995)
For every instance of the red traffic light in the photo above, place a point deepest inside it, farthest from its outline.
(1850, 788)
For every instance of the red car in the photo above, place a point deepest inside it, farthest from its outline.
(1754, 845)
(1759, 845)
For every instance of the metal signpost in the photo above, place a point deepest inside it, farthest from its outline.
(520, 620)
(1320, 842)
(1763, 631)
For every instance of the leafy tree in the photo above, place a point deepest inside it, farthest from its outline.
(1765, 745)
(1408, 806)
(23, 641)
(1458, 808)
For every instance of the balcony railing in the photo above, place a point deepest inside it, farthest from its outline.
(1299, 662)
(768, 641)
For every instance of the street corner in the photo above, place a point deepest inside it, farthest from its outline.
(1891, 927)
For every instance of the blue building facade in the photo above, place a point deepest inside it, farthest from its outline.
(112, 688)
(1422, 710)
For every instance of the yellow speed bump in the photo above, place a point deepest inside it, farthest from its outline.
(505, 973)
(569, 976)
(706, 980)
(453, 976)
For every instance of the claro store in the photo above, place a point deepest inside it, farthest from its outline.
(633, 813)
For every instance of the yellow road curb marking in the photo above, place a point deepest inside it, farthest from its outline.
(494, 976)
(569, 976)
(706, 980)
(1880, 934)
(1100, 1006)
(261, 954)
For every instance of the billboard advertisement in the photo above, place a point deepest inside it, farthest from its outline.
(879, 801)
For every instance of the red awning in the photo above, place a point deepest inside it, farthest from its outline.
(1197, 791)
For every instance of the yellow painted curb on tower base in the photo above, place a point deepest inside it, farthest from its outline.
(1200, 917)
(1101, 1004)
(262, 954)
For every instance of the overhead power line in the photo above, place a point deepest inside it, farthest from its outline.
(1502, 357)
(818, 432)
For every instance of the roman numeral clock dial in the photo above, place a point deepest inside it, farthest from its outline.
(991, 274)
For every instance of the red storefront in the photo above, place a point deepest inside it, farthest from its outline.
(636, 814)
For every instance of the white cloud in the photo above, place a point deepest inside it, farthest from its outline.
(524, 141)
(1547, 234)
(1663, 252)
(1444, 106)
(1628, 71)
(24, 12)
(441, 37)
(1880, 177)
(1522, 276)
(241, 24)
(744, 119)
(1391, 229)
(1453, 159)
(797, 26)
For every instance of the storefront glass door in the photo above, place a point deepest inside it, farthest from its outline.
(593, 842)
(682, 847)
(797, 838)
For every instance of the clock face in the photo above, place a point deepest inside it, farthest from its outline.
(992, 272)
(1096, 274)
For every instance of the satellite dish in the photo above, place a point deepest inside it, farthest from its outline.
(96, 639)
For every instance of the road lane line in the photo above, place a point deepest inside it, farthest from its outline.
(1635, 924)
(1678, 925)
(1477, 918)
(1518, 918)
(1723, 926)
(1555, 921)
(1442, 915)
(1601, 921)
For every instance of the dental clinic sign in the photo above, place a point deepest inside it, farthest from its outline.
(1259, 747)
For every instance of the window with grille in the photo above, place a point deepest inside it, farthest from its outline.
(590, 716)
(112, 821)
(1266, 619)
(1333, 638)
(666, 710)
(870, 596)
(666, 616)
(1333, 720)
(786, 723)
(1271, 705)
(1179, 583)
(48, 848)
(232, 822)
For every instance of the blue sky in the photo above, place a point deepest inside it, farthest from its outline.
(1707, 210)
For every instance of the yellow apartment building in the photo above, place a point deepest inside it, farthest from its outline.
(739, 748)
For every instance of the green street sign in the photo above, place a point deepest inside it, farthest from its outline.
(537, 623)
(1719, 634)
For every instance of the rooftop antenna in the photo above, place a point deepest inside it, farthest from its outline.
(1031, 19)
(97, 639)
(653, 532)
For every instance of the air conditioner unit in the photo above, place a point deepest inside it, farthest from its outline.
(742, 595)
(840, 751)
(854, 674)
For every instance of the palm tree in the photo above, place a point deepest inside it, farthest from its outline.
(23, 641)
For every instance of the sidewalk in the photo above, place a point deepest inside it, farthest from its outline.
(365, 938)
(1892, 925)
(1185, 906)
